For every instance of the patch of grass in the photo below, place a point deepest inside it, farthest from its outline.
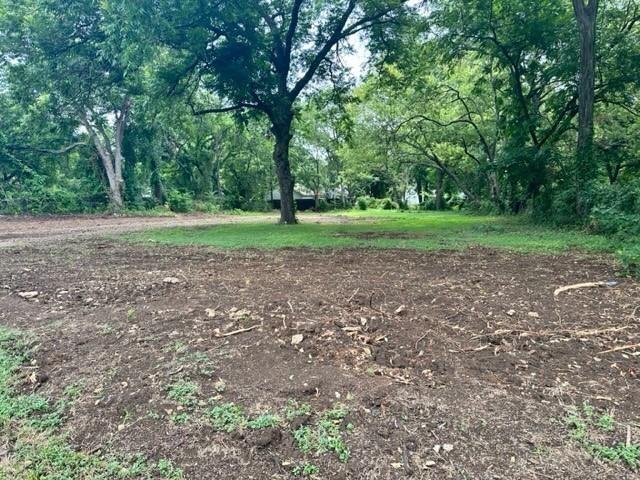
(204, 365)
(325, 435)
(266, 420)
(73, 392)
(34, 410)
(180, 418)
(295, 409)
(587, 427)
(227, 418)
(389, 229)
(184, 392)
(306, 470)
(54, 459)
(38, 451)
(178, 347)
(168, 470)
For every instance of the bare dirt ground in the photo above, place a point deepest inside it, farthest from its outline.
(47, 229)
(452, 365)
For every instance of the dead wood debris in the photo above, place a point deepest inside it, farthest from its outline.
(578, 286)
(571, 333)
(218, 334)
(621, 349)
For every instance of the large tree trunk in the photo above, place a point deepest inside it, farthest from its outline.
(108, 163)
(282, 131)
(586, 16)
(109, 150)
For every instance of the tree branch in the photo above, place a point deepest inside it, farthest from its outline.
(232, 108)
(335, 37)
(60, 151)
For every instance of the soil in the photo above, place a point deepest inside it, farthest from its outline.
(465, 349)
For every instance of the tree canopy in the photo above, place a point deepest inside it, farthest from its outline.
(509, 106)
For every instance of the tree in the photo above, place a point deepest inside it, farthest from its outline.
(74, 52)
(586, 16)
(263, 56)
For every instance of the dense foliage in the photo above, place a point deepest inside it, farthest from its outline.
(464, 104)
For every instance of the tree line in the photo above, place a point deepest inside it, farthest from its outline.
(498, 105)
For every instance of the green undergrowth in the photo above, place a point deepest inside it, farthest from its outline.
(325, 434)
(601, 436)
(405, 230)
(30, 428)
(314, 433)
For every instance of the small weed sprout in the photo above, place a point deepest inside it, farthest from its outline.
(294, 410)
(153, 415)
(168, 470)
(180, 418)
(306, 470)
(263, 421)
(325, 436)
(582, 422)
(184, 392)
(227, 418)
(107, 329)
(73, 392)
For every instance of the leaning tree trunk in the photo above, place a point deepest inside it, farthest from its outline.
(586, 16)
(282, 131)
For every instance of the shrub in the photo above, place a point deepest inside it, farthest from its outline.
(388, 204)
(206, 206)
(629, 259)
(323, 205)
(362, 203)
(180, 202)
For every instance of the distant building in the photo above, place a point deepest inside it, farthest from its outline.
(304, 200)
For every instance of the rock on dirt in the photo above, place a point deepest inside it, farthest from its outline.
(28, 295)
(297, 339)
(401, 310)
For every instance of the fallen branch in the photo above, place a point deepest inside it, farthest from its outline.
(235, 332)
(620, 349)
(572, 333)
(578, 286)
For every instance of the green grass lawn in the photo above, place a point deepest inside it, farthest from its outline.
(388, 229)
